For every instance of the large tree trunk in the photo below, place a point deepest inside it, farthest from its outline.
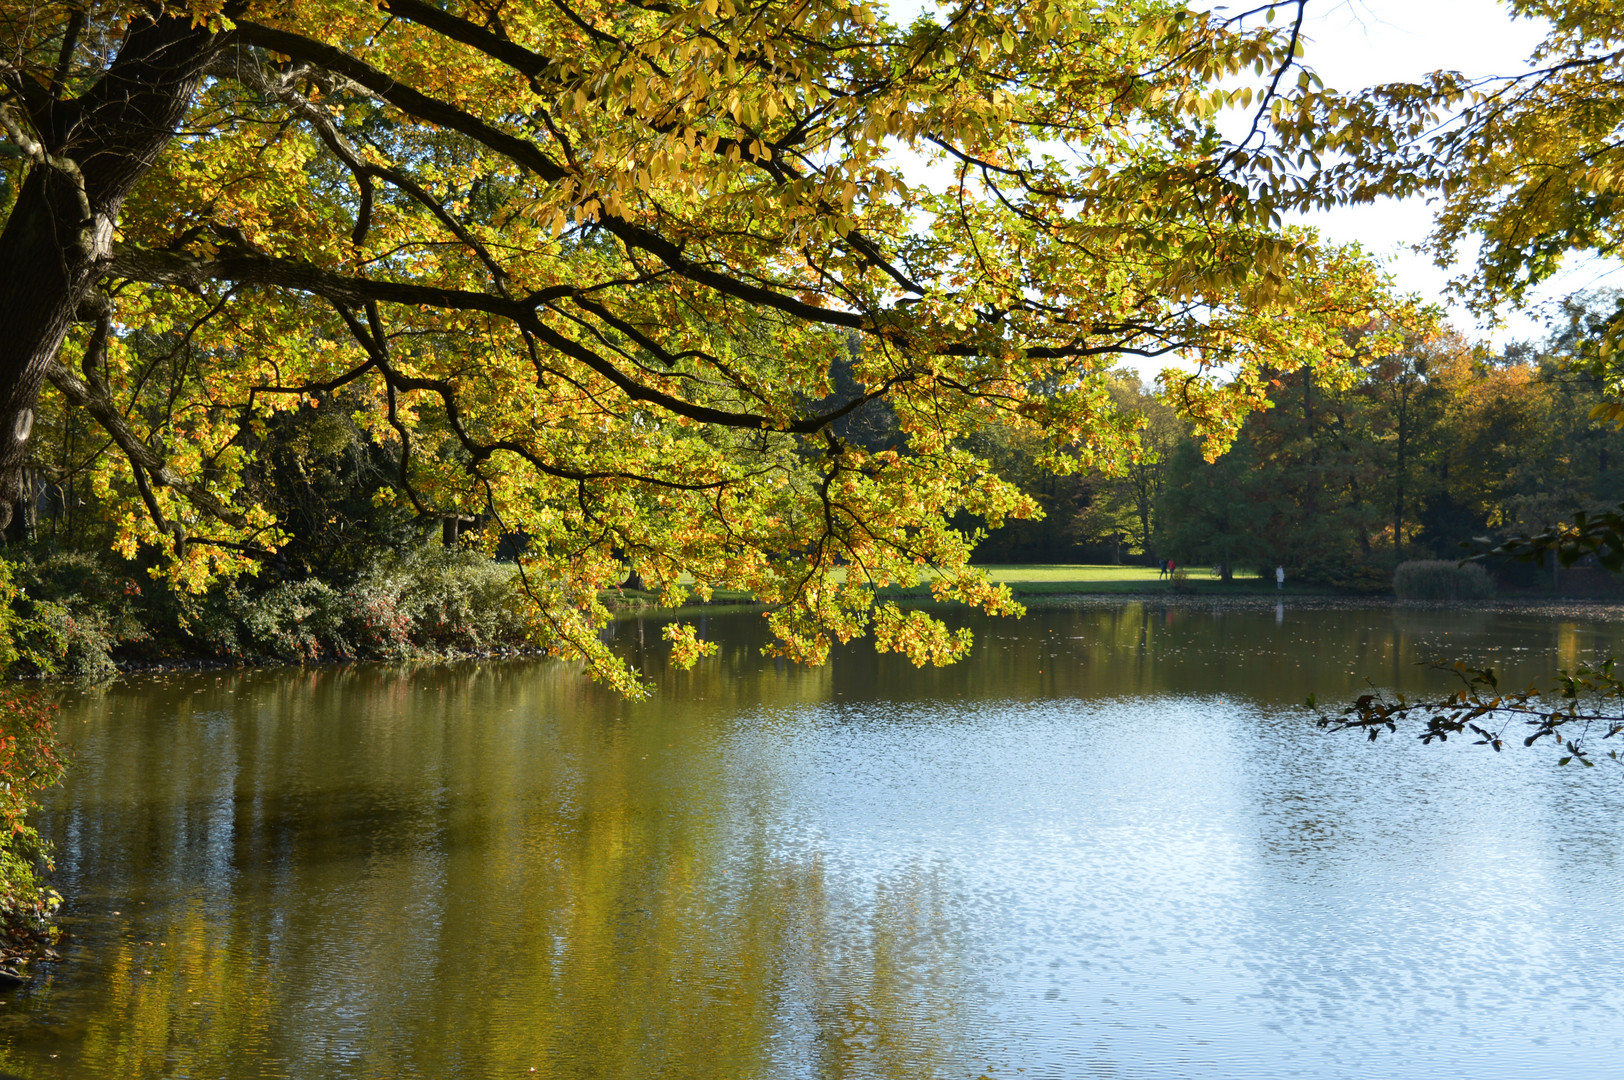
(42, 282)
(87, 154)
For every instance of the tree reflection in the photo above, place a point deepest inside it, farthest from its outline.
(460, 872)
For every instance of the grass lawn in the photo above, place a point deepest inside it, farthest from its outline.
(1032, 574)
(1044, 573)
(1053, 579)
(1062, 579)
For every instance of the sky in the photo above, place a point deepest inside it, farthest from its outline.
(1357, 43)
(1352, 44)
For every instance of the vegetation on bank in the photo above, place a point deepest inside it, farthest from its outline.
(84, 618)
(1418, 455)
(31, 760)
(1440, 580)
(81, 618)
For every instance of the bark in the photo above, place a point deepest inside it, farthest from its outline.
(1402, 470)
(87, 154)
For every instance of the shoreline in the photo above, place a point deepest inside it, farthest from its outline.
(1550, 606)
(621, 611)
(1607, 607)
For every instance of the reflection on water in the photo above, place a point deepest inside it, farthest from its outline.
(1108, 845)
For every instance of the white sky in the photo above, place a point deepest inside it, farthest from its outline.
(1352, 44)
(1358, 43)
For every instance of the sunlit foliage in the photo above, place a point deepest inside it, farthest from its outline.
(584, 270)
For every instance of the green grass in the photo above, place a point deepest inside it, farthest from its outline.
(1061, 579)
(1032, 574)
(1057, 579)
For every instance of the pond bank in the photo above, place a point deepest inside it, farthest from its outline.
(1249, 600)
(630, 606)
(1553, 607)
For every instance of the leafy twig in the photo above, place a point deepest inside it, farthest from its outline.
(1574, 710)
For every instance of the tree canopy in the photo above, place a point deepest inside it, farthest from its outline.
(1528, 165)
(608, 278)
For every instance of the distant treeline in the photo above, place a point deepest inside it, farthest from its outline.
(1422, 452)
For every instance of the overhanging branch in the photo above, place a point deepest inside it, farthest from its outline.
(141, 456)
(251, 268)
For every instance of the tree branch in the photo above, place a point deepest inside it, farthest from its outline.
(95, 402)
(528, 155)
(251, 268)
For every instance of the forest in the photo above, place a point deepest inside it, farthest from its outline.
(1437, 451)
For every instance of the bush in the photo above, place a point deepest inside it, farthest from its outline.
(30, 761)
(80, 614)
(1441, 580)
(1351, 573)
(430, 600)
(78, 611)
(436, 599)
(293, 621)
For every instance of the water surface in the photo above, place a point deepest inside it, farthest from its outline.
(1110, 844)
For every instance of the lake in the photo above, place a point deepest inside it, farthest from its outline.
(1112, 843)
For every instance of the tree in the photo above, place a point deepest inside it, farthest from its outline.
(1299, 491)
(1527, 166)
(1105, 516)
(1507, 443)
(1122, 508)
(1212, 512)
(585, 269)
(1040, 534)
(1407, 389)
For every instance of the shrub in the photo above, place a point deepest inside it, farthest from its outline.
(30, 761)
(426, 601)
(293, 621)
(436, 599)
(1349, 572)
(1441, 580)
(81, 613)
(78, 611)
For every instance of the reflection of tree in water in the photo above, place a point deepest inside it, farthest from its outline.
(186, 999)
(470, 871)
(875, 985)
(460, 872)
